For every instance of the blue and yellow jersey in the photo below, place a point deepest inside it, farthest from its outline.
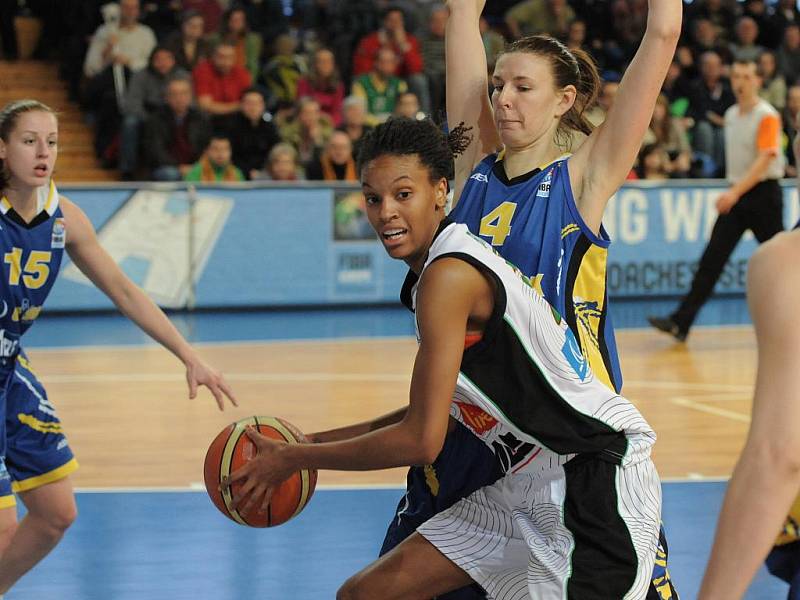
(32, 255)
(533, 222)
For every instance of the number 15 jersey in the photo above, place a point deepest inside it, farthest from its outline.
(32, 254)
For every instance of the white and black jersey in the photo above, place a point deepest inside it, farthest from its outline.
(577, 514)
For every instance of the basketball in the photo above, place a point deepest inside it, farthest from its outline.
(232, 448)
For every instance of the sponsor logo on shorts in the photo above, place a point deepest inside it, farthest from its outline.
(8, 347)
(475, 418)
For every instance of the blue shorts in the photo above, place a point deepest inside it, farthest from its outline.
(464, 465)
(36, 451)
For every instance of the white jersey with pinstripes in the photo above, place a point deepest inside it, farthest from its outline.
(577, 514)
(525, 389)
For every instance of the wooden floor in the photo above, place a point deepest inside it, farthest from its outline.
(130, 423)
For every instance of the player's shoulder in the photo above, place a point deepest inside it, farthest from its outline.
(771, 275)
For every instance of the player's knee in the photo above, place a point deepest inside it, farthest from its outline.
(58, 519)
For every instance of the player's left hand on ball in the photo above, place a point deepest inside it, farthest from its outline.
(199, 373)
(260, 475)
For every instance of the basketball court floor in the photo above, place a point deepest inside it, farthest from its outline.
(146, 528)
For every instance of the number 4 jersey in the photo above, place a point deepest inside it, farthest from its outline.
(533, 221)
(32, 255)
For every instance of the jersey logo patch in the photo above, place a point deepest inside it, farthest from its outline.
(476, 419)
(59, 233)
(572, 352)
(543, 191)
(479, 177)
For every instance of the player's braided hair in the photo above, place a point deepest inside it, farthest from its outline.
(402, 136)
(8, 120)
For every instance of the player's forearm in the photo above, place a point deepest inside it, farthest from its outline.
(394, 446)
(351, 431)
(754, 509)
(135, 304)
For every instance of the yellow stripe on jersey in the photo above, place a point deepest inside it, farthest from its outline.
(791, 527)
(7, 501)
(571, 228)
(588, 295)
(51, 195)
(45, 478)
(37, 425)
(25, 364)
(5, 205)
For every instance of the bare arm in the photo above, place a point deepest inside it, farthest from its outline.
(351, 431)
(448, 293)
(94, 262)
(467, 87)
(767, 476)
(603, 161)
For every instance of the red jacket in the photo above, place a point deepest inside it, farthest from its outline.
(410, 62)
(221, 88)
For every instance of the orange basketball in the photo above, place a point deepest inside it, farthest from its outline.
(232, 448)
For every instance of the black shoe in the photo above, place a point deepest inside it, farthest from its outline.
(667, 325)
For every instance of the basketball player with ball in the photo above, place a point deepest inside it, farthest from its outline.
(576, 512)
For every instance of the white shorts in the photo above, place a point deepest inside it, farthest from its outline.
(586, 530)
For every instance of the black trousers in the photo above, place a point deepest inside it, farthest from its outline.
(760, 210)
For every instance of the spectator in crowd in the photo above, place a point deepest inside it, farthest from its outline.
(215, 164)
(118, 48)
(252, 133)
(721, 13)
(575, 38)
(393, 35)
(407, 105)
(324, 83)
(791, 113)
(380, 87)
(219, 83)
(652, 163)
(335, 162)
(175, 135)
(188, 44)
(676, 88)
(125, 42)
(211, 10)
(789, 54)
(283, 70)
(281, 165)
(146, 94)
(597, 114)
(247, 45)
(709, 97)
(671, 137)
(433, 57)
(769, 30)
(785, 14)
(308, 131)
(493, 42)
(744, 46)
(705, 38)
(354, 121)
(539, 16)
(773, 89)
(629, 20)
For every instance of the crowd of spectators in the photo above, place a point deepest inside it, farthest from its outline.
(286, 89)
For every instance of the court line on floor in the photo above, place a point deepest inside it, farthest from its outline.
(712, 410)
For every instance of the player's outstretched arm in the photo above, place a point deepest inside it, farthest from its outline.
(767, 476)
(94, 262)
(448, 292)
(351, 431)
(604, 160)
(468, 87)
